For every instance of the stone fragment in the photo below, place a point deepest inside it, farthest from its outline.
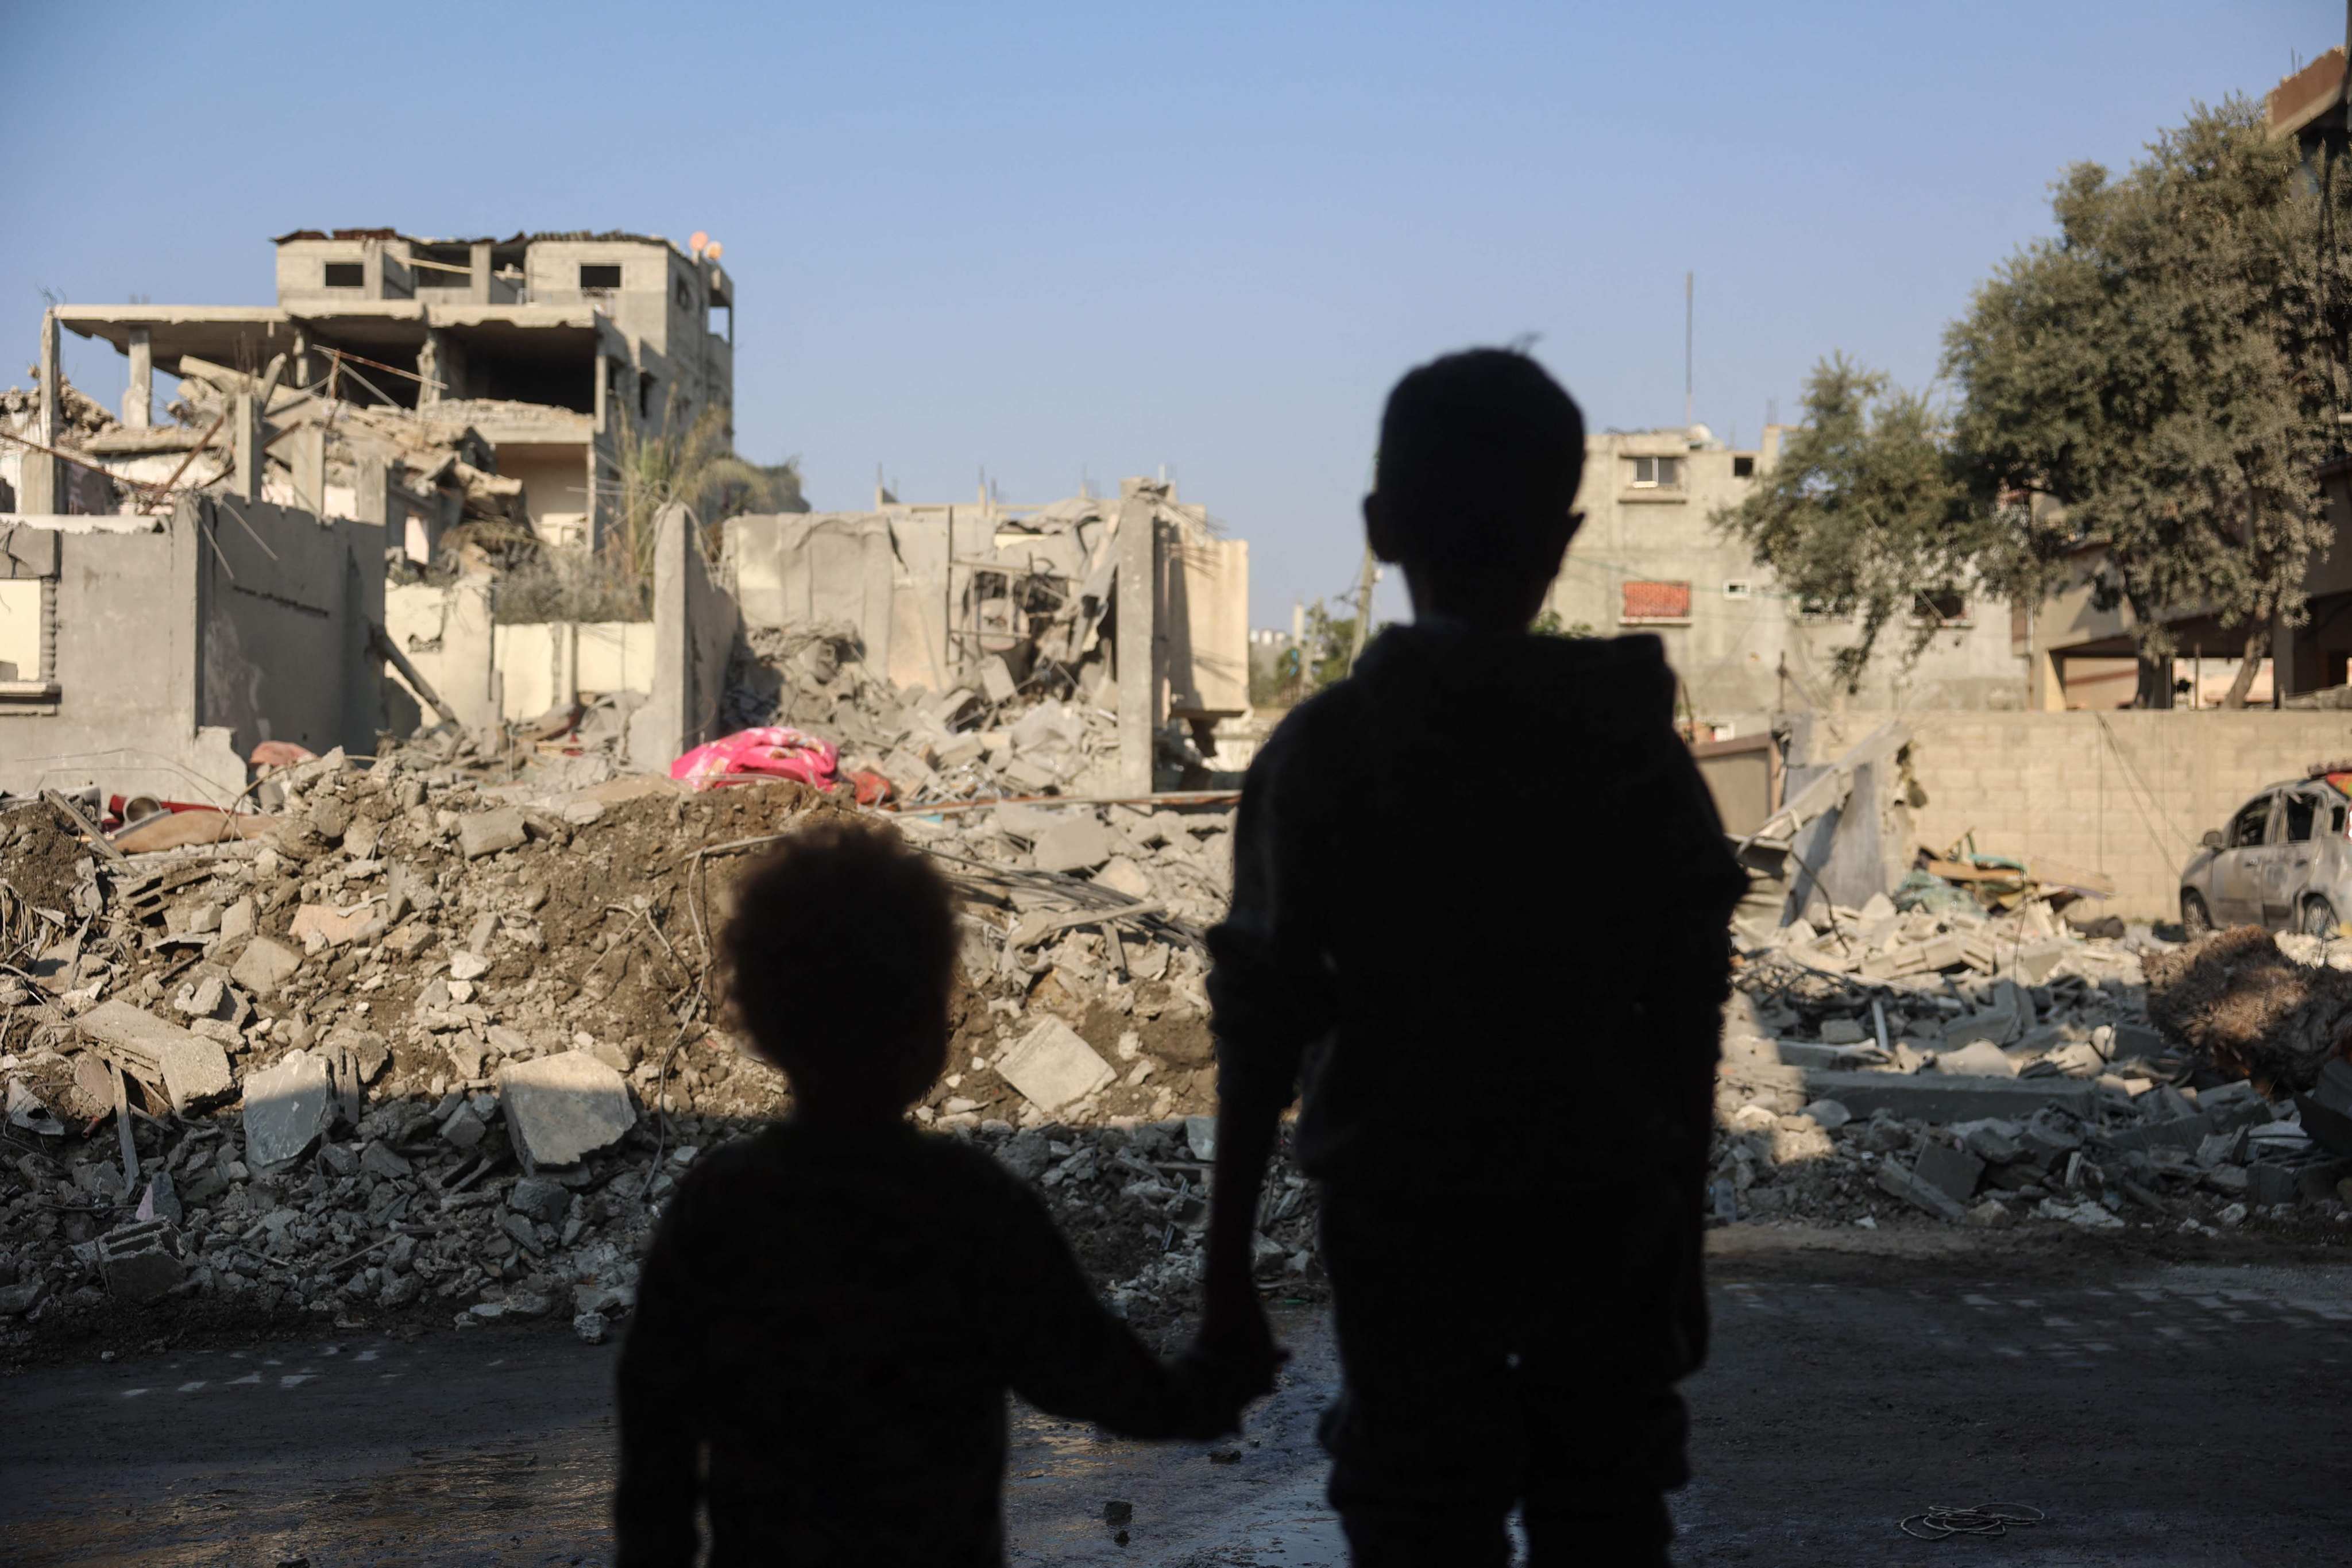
(543, 1198)
(163, 1200)
(582, 813)
(1843, 1031)
(265, 965)
(286, 1107)
(465, 1128)
(1978, 1059)
(380, 1159)
(1053, 1066)
(195, 1069)
(1955, 1172)
(18, 1300)
(591, 1327)
(523, 1232)
(1122, 875)
(238, 920)
(465, 965)
(1076, 843)
(1902, 1184)
(488, 832)
(996, 680)
(1991, 1214)
(562, 1107)
(1829, 1114)
(337, 928)
(1995, 1142)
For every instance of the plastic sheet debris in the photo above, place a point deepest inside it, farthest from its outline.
(773, 751)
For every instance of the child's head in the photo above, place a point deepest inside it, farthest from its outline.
(839, 958)
(1474, 490)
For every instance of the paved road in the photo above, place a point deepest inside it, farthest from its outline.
(2175, 1415)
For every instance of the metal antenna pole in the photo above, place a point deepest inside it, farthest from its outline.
(1690, 288)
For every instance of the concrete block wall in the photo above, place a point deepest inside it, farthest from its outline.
(2128, 794)
(177, 645)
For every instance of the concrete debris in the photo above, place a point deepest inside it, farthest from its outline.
(194, 1070)
(2245, 1002)
(564, 1107)
(286, 1107)
(2022, 1083)
(1053, 1066)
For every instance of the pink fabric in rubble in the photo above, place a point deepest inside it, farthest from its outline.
(779, 753)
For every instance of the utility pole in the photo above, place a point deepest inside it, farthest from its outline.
(1690, 294)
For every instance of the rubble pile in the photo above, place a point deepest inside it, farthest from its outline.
(427, 1041)
(2238, 999)
(1989, 1071)
(992, 738)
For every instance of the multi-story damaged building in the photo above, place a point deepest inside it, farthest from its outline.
(543, 349)
(1649, 558)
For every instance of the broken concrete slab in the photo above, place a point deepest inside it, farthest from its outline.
(1053, 1065)
(286, 1107)
(1955, 1172)
(264, 966)
(1940, 1099)
(338, 928)
(1122, 875)
(488, 832)
(193, 1069)
(543, 1198)
(562, 1107)
(1895, 1180)
(1076, 843)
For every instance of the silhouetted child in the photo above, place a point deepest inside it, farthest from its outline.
(1480, 911)
(833, 1311)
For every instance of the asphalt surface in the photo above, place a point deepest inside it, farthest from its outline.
(2158, 1415)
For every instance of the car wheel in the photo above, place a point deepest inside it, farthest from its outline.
(2194, 920)
(2319, 918)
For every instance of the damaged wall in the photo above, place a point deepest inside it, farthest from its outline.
(695, 622)
(933, 591)
(174, 646)
(2128, 794)
(506, 670)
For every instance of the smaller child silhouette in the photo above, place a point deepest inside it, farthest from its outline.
(833, 1309)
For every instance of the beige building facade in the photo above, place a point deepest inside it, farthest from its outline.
(1651, 559)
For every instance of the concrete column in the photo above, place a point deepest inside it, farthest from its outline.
(1138, 587)
(470, 676)
(45, 488)
(433, 364)
(477, 272)
(139, 401)
(309, 458)
(245, 418)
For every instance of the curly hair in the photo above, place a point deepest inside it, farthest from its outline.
(839, 958)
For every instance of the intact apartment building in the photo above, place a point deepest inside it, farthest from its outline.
(545, 345)
(1650, 558)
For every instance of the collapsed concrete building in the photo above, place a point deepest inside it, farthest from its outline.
(526, 358)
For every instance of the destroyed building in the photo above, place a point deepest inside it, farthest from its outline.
(536, 350)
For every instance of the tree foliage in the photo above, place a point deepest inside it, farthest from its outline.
(1864, 513)
(2164, 370)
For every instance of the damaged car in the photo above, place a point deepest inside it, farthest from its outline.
(2283, 861)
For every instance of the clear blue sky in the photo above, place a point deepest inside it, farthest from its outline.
(1048, 241)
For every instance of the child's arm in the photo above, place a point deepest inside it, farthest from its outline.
(660, 1380)
(1069, 1356)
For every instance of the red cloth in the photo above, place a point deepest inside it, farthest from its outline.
(779, 753)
